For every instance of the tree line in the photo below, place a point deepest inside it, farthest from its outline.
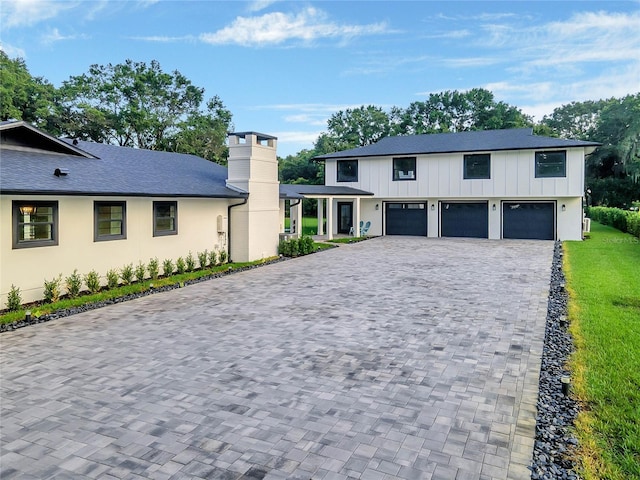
(135, 104)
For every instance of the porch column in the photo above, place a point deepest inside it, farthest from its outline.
(320, 217)
(356, 218)
(329, 218)
(296, 216)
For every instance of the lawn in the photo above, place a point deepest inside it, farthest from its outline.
(603, 280)
(309, 225)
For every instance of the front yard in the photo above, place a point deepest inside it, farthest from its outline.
(603, 280)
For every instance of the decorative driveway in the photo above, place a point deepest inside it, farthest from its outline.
(398, 357)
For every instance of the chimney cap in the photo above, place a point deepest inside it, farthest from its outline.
(259, 136)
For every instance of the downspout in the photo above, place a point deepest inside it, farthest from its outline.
(229, 225)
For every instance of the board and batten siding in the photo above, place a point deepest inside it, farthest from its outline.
(441, 176)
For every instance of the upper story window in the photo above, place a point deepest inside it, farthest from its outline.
(551, 164)
(110, 221)
(477, 166)
(347, 170)
(165, 218)
(35, 224)
(404, 168)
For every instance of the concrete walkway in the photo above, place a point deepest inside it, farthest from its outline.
(397, 357)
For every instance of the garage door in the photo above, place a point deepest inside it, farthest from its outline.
(406, 219)
(529, 220)
(468, 219)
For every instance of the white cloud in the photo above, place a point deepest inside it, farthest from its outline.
(277, 28)
(55, 36)
(19, 13)
(13, 52)
(165, 38)
(258, 5)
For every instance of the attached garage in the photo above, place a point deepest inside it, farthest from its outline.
(529, 220)
(408, 218)
(464, 219)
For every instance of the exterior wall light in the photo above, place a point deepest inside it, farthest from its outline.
(433, 207)
(27, 209)
(377, 206)
(494, 207)
(564, 207)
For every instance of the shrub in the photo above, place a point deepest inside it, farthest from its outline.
(126, 274)
(623, 220)
(112, 278)
(190, 262)
(52, 289)
(154, 268)
(222, 257)
(14, 299)
(213, 258)
(306, 245)
(181, 266)
(73, 284)
(167, 267)
(202, 259)
(92, 279)
(296, 246)
(140, 272)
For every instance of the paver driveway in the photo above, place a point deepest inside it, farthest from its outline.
(397, 357)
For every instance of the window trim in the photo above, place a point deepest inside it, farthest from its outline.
(396, 172)
(470, 156)
(338, 162)
(15, 207)
(546, 152)
(162, 233)
(105, 238)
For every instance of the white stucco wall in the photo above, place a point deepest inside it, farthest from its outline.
(27, 268)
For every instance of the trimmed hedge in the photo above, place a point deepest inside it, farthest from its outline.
(623, 220)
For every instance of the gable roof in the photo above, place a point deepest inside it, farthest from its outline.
(474, 141)
(101, 170)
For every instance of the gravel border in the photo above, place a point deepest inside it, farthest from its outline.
(554, 442)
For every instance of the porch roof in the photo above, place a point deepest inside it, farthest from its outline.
(295, 191)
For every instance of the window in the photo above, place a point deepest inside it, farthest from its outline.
(35, 224)
(165, 218)
(551, 164)
(477, 166)
(347, 170)
(404, 168)
(110, 221)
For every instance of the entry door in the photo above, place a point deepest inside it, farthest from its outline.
(345, 217)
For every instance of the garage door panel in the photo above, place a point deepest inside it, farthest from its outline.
(464, 219)
(529, 220)
(406, 219)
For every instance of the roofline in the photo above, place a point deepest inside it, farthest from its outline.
(116, 194)
(62, 143)
(261, 136)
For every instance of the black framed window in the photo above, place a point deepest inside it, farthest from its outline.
(165, 218)
(404, 168)
(551, 164)
(347, 170)
(110, 221)
(477, 166)
(35, 224)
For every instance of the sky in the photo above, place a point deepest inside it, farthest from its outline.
(283, 68)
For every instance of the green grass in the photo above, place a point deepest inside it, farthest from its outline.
(347, 239)
(603, 279)
(309, 225)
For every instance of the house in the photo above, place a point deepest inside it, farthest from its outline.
(487, 184)
(68, 205)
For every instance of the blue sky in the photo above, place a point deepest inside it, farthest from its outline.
(283, 68)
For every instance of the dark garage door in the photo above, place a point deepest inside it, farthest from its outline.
(464, 219)
(406, 219)
(529, 220)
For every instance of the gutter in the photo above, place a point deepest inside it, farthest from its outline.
(229, 226)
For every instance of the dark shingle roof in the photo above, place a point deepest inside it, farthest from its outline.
(116, 171)
(475, 141)
(291, 191)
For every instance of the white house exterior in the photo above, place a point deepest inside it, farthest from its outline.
(87, 206)
(486, 184)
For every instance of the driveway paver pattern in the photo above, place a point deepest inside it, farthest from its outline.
(394, 358)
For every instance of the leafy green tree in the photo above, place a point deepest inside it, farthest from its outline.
(299, 168)
(130, 104)
(22, 96)
(354, 127)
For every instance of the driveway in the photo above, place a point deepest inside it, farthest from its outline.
(398, 357)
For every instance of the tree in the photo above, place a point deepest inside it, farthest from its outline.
(203, 134)
(576, 120)
(22, 96)
(454, 111)
(355, 127)
(131, 104)
(299, 168)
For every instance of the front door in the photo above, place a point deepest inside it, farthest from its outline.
(345, 217)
